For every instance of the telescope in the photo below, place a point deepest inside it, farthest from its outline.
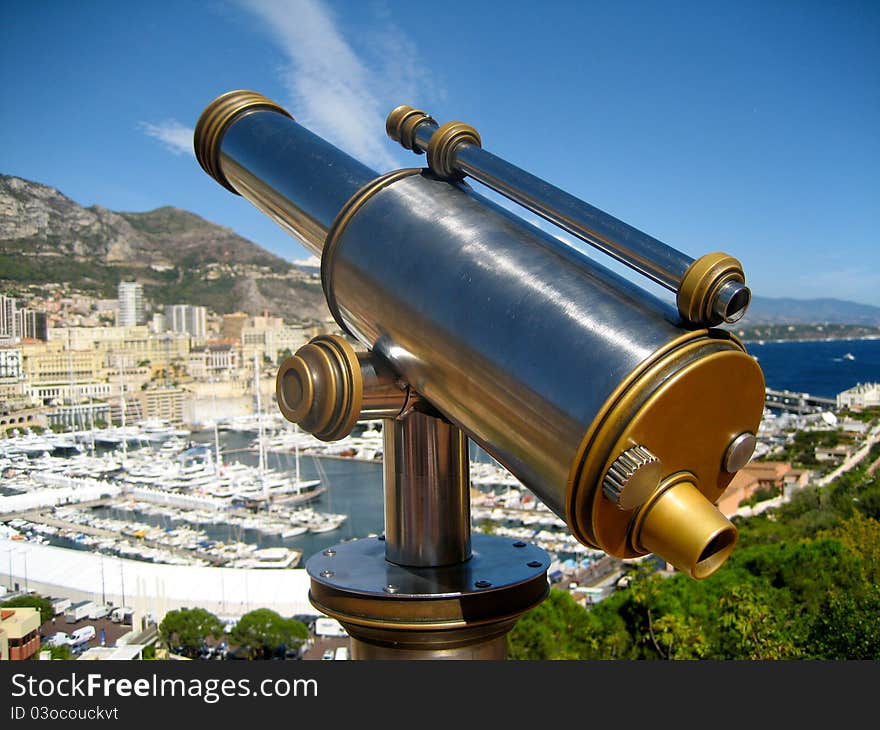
(626, 415)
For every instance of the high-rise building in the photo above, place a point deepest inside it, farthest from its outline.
(187, 318)
(33, 325)
(8, 317)
(198, 321)
(131, 304)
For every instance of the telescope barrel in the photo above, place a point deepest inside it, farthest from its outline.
(304, 203)
(456, 151)
(591, 391)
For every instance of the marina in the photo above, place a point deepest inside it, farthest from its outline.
(253, 493)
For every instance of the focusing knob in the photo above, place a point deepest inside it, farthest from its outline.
(632, 478)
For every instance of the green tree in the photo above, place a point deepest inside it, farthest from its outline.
(42, 604)
(60, 652)
(555, 629)
(184, 631)
(282, 355)
(260, 633)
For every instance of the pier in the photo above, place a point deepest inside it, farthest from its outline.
(787, 400)
(42, 518)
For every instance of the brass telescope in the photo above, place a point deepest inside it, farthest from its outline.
(626, 416)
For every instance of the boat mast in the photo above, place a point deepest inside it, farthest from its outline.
(122, 409)
(296, 452)
(216, 431)
(262, 463)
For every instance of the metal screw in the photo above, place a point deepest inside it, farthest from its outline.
(327, 573)
(534, 564)
(482, 584)
(391, 588)
(329, 552)
(739, 452)
(381, 537)
(519, 544)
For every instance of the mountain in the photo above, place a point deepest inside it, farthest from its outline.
(766, 310)
(178, 256)
(182, 258)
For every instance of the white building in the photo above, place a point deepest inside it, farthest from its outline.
(152, 589)
(187, 318)
(8, 317)
(10, 363)
(862, 395)
(131, 304)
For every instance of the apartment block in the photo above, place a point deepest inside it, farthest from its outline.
(19, 633)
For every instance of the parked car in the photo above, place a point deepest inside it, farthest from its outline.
(59, 638)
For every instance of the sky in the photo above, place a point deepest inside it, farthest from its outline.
(745, 127)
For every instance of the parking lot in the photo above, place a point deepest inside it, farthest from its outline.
(111, 631)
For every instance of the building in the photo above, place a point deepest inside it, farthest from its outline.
(19, 633)
(10, 363)
(165, 404)
(81, 416)
(153, 589)
(53, 374)
(863, 395)
(158, 323)
(216, 360)
(764, 475)
(187, 318)
(33, 325)
(232, 326)
(270, 337)
(8, 317)
(131, 304)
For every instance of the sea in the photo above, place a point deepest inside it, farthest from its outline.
(354, 487)
(824, 368)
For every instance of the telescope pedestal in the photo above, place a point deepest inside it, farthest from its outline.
(459, 611)
(428, 589)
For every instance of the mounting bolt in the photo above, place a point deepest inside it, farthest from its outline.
(391, 588)
(534, 564)
(329, 552)
(483, 584)
(519, 544)
(327, 573)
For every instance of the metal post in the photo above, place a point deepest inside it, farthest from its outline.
(428, 589)
(427, 500)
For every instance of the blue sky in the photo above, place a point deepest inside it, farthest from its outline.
(747, 127)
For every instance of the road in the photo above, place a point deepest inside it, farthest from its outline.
(861, 453)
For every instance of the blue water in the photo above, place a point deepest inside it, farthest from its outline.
(818, 368)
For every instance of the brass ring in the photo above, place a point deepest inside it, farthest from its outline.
(215, 120)
(444, 142)
(401, 126)
(342, 219)
(701, 284)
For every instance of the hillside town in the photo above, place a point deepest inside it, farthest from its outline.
(70, 360)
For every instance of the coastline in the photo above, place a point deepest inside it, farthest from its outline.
(811, 339)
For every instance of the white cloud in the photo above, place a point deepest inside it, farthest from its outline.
(176, 137)
(335, 91)
(311, 262)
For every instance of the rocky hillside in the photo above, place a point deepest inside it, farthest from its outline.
(765, 310)
(178, 256)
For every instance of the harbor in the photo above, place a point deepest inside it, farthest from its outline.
(248, 493)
